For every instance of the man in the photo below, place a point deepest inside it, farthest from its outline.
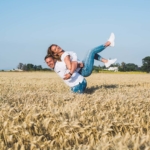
(76, 82)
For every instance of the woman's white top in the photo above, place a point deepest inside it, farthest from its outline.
(73, 57)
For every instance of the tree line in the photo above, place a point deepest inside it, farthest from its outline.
(129, 66)
(121, 67)
(31, 67)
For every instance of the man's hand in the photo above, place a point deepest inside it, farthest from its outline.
(67, 76)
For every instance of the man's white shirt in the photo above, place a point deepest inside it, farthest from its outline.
(61, 69)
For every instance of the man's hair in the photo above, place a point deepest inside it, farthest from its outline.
(48, 56)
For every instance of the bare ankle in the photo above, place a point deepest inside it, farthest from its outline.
(107, 44)
(104, 60)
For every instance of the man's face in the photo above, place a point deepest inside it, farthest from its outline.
(50, 62)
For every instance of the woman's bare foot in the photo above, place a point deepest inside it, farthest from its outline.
(108, 62)
(104, 60)
(107, 43)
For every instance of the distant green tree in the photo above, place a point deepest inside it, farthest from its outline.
(131, 67)
(122, 67)
(24, 67)
(20, 65)
(39, 67)
(128, 67)
(35, 67)
(30, 67)
(47, 69)
(96, 69)
(146, 64)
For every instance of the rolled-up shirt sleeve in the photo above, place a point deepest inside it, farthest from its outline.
(73, 56)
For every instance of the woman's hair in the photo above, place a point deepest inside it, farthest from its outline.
(49, 51)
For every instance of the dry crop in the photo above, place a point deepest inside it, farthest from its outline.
(38, 112)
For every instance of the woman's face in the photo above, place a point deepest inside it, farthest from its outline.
(56, 49)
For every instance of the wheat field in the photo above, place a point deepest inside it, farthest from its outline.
(38, 112)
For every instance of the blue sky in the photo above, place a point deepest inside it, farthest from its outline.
(27, 28)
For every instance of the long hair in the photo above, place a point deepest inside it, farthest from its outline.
(49, 51)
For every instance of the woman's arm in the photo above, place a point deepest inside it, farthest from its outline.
(68, 62)
(71, 65)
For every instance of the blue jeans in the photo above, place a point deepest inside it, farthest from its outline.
(88, 67)
(89, 60)
(80, 88)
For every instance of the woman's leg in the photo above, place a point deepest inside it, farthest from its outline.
(92, 54)
(89, 60)
(100, 58)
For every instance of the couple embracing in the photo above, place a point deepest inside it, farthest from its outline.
(72, 70)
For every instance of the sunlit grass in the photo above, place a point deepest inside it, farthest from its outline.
(38, 111)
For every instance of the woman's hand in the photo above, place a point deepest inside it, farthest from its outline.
(80, 65)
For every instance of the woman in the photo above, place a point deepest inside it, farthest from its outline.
(70, 58)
